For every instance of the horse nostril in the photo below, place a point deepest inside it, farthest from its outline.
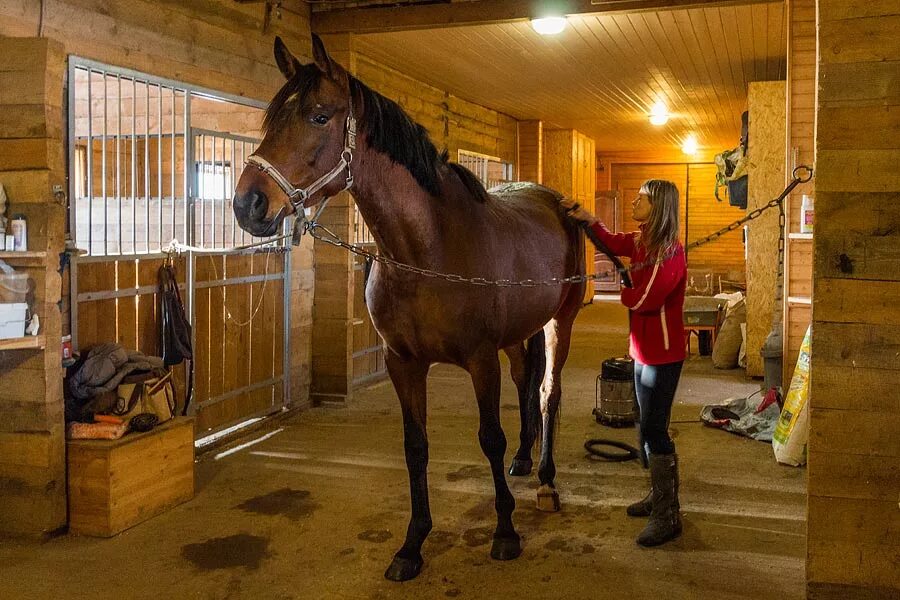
(258, 205)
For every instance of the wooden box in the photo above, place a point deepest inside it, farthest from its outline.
(116, 484)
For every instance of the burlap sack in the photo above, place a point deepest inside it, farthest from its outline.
(728, 341)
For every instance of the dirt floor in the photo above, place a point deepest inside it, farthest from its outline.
(317, 509)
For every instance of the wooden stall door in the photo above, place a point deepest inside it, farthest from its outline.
(606, 207)
(238, 337)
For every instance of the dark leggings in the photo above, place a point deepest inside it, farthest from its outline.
(655, 387)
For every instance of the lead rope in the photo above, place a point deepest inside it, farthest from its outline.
(313, 228)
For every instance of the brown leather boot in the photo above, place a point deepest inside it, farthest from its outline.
(665, 520)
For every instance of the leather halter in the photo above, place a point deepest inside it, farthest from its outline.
(297, 196)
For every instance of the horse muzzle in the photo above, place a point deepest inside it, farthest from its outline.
(251, 210)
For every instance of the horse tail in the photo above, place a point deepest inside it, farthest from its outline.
(535, 363)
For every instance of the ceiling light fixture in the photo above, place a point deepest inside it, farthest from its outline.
(659, 114)
(549, 25)
(690, 145)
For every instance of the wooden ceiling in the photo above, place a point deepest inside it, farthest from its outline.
(601, 75)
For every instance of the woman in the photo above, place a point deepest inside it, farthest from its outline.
(656, 344)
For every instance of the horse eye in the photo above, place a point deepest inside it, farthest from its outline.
(320, 119)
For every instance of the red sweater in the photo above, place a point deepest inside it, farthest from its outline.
(656, 301)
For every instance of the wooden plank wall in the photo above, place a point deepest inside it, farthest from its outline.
(801, 108)
(570, 167)
(700, 214)
(766, 105)
(854, 448)
(530, 151)
(218, 44)
(32, 446)
(452, 123)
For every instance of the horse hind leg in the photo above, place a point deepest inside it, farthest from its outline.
(484, 368)
(409, 379)
(527, 369)
(558, 334)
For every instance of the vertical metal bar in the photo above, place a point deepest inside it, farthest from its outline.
(286, 320)
(119, 155)
(173, 162)
(159, 164)
(243, 160)
(147, 164)
(224, 186)
(103, 171)
(190, 286)
(189, 163)
(202, 196)
(90, 165)
(133, 166)
(234, 166)
(73, 297)
(73, 185)
(212, 215)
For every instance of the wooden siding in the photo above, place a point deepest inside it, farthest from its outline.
(570, 167)
(854, 447)
(452, 123)
(217, 44)
(699, 214)
(32, 445)
(604, 72)
(801, 110)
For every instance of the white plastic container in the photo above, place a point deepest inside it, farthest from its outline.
(807, 214)
(12, 320)
(13, 287)
(19, 229)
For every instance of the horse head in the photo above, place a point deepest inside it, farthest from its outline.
(309, 134)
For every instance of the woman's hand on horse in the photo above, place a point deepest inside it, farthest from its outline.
(576, 211)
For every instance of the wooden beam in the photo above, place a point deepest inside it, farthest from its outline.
(383, 18)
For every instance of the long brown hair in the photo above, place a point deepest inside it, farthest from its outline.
(661, 231)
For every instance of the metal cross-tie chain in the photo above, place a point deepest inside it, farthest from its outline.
(331, 238)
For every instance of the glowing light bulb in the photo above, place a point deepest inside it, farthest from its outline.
(659, 114)
(549, 25)
(689, 146)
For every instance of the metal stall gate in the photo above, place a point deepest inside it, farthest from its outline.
(140, 177)
(368, 348)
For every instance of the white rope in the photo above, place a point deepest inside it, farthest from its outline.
(175, 247)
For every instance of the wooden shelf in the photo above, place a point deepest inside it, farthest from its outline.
(29, 342)
(799, 301)
(800, 236)
(24, 258)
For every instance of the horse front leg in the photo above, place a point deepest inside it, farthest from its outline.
(409, 379)
(485, 371)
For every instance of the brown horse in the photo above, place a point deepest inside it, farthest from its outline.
(428, 212)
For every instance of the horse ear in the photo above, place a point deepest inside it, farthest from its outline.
(287, 63)
(323, 61)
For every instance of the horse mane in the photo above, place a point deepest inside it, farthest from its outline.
(388, 129)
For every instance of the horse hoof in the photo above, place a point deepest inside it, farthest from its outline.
(403, 569)
(548, 499)
(520, 467)
(506, 548)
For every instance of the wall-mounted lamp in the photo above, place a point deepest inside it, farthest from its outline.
(689, 146)
(549, 25)
(659, 114)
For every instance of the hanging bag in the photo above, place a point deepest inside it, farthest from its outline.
(175, 330)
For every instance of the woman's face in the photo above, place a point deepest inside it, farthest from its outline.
(640, 208)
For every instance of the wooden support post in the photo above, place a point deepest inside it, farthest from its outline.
(32, 437)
